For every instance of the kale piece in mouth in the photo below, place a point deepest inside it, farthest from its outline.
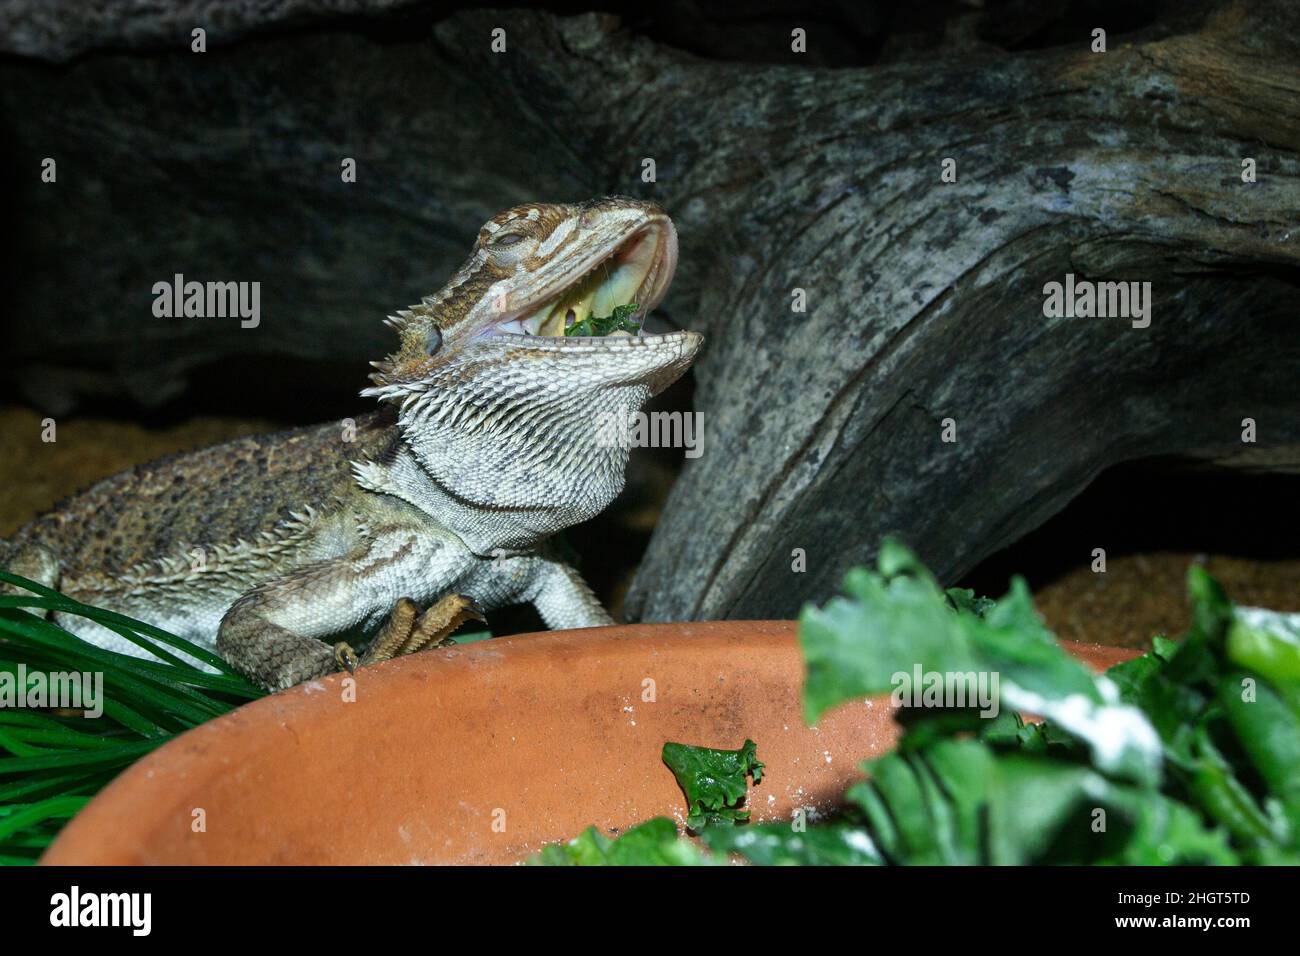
(619, 321)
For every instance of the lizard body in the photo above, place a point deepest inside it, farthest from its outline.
(486, 443)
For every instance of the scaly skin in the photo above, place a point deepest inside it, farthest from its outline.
(486, 444)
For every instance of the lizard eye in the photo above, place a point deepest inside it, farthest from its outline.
(509, 239)
(434, 341)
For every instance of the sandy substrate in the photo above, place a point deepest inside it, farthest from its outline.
(1139, 595)
(1144, 594)
(36, 474)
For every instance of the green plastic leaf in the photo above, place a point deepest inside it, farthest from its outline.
(963, 803)
(1267, 642)
(855, 645)
(653, 843)
(895, 631)
(1215, 786)
(1155, 830)
(1037, 676)
(964, 599)
(1181, 756)
(1268, 730)
(778, 844)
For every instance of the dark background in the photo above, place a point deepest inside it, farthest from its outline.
(225, 166)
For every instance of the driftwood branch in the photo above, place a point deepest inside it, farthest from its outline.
(823, 429)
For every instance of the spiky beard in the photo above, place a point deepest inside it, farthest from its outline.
(522, 446)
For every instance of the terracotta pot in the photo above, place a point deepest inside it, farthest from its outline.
(483, 753)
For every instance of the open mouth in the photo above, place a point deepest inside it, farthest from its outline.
(635, 272)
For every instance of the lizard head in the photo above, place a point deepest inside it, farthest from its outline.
(492, 383)
(536, 272)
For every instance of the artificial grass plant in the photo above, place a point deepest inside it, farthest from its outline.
(51, 764)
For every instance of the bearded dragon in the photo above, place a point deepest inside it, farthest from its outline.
(434, 509)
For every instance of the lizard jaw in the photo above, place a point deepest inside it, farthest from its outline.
(636, 268)
(506, 310)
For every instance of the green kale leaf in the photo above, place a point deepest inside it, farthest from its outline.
(713, 781)
(619, 321)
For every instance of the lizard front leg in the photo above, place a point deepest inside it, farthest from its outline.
(408, 631)
(275, 634)
(269, 653)
(563, 598)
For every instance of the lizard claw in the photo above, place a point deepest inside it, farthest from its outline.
(345, 657)
(478, 610)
